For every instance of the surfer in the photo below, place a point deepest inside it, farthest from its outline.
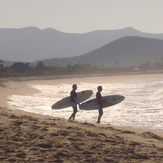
(99, 99)
(73, 98)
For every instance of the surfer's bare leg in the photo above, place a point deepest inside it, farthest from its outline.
(100, 115)
(73, 114)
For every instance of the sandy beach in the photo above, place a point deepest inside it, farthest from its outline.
(28, 137)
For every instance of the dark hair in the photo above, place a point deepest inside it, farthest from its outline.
(74, 85)
(99, 87)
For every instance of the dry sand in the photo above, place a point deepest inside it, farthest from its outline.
(27, 137)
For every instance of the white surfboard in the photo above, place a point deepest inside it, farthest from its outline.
(107, 101)
(65, 102)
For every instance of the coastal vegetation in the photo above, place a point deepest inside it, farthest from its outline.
(25, 69)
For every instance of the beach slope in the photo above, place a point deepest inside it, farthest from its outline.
(27, 137)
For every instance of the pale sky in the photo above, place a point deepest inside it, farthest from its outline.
(80, 16)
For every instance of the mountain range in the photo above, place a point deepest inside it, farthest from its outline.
(123, 46)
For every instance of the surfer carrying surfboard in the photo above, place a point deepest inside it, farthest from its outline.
(99, 99)
(73, 98)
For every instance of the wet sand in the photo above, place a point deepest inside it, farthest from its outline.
(28, 137)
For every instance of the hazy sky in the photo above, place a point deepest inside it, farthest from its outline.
(80, 16)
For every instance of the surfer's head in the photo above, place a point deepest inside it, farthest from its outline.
(99, 88)
(74, 86)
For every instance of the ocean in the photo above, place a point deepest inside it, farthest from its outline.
(142, 107)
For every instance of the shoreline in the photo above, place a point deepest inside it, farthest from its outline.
(8, 88)
(20, 86)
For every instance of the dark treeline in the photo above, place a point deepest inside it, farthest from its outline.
(24, 69)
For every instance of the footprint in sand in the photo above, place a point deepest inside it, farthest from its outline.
(44, 145)
(21, 155)
(151, 135)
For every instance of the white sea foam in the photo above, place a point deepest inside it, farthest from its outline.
(142, 107)
(158, 95)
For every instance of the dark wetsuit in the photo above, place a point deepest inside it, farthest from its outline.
(73, 98)
(99, 98)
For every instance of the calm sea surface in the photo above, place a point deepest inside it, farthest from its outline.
(142, 107)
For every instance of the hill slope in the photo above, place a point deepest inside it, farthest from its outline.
(126, 51)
